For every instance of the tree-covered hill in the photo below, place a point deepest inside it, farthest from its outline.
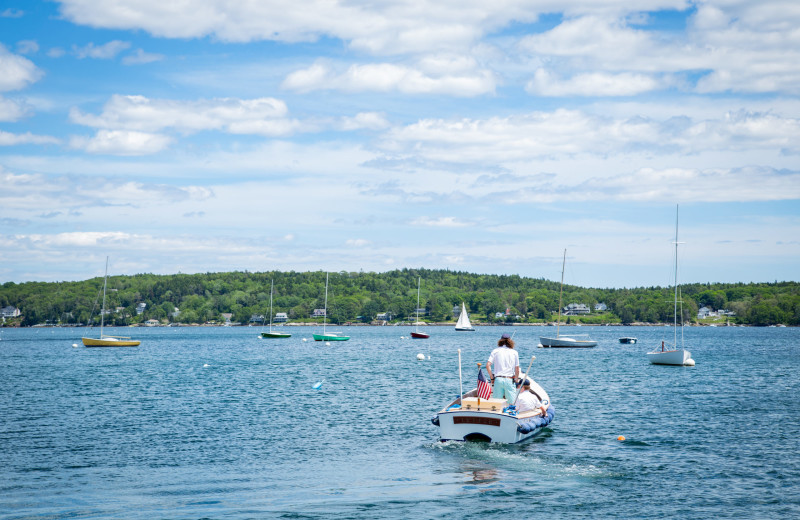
(360, 296)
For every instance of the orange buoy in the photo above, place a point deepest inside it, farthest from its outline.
(621, 438)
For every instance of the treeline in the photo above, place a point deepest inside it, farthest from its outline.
(361, 296)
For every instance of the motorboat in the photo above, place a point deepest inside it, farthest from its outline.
(628, 340)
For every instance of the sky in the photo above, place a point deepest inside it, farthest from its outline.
(487, 137)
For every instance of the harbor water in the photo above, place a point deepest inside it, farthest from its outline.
(202, 422)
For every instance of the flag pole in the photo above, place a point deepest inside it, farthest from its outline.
(460, 383)
(478, 392)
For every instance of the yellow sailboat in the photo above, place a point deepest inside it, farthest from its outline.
(104, 340)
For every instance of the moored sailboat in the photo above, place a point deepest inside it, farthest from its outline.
(564, 341)
(328, 336)
(672, 355)
(273, 334)
(104, 340)
(417, 334)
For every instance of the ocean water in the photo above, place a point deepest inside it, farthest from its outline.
(218, 423)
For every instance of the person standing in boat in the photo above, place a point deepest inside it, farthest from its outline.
(527, 400)
(503, 368)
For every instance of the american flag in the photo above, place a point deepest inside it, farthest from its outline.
(484, 388)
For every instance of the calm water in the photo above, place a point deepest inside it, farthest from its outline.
(217, 423)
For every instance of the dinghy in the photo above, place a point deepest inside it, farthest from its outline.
(472, 418)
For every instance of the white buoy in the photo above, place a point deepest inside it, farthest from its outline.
(74, 345)
(689, 362)
(259, 336)
(206, 365)
(420, 356)
(304, 339)
(318, 385)
(328, 343)
(429, 357)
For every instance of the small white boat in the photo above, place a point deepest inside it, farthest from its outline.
(565, 341)
(463, 324)
(470, 418)
(672, 355)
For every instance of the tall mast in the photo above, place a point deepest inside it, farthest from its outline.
(271, 287)
(675, 313)
(416, 324)
(325, 316)
(103, 311)
(560, 293)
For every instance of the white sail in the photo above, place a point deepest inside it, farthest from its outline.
(463, 319)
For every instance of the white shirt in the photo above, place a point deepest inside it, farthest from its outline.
(527, 401)
(504, 361)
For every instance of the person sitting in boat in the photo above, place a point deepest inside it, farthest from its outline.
(503, 368)
(527, 400)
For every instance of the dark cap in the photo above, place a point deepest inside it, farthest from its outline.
(525, 382)
(505, 336)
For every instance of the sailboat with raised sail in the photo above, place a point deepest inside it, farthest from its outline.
(673, 355)
(417, 334)
(104, 340)
(328, 336)
(463, 324)
(565, 341)
(274, 334)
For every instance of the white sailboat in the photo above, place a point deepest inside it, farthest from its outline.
(463, 324)
(104, 340)
(564, 341)
(417, 334)
(671, 354)
(273, 334)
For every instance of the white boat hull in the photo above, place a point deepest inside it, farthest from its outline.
(678, 357)
(487, 420)
(566, 342)
(487, 426)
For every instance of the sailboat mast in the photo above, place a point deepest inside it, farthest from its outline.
(416, 323)
(103, 311)
(675, 312)
(325, 316)
(561, 293)
(271, 287)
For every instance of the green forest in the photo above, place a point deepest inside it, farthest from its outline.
(360, 296)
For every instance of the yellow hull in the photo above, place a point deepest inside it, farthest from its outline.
(110, 342)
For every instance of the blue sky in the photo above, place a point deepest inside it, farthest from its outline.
(210, 135)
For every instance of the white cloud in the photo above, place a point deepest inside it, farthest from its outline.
(592, 84)
(11, 13)
(447, 222)
(12, 110)
(389, 77)
(101, 52)
(121, 142)
(365, 120)
(17, 72)
(10, 139)
(27, 47)
(262, 115)
(357, 242)
(140, 57)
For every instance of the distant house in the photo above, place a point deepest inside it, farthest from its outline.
(152, 323)
(10, 312)
(574, 309)
(227, 316)
(280, 317)
(600, 307)
(705, 312)
(499, 315)
(421, 311)
(456, 311)
(140, 307)
(257, 318)
(176, 312)
(384, 316)
(318, 313)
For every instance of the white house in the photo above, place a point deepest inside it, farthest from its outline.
(574, 309)
(318, 313)
(140, 307)
(280, 317)
(10, 312)
(600, 307)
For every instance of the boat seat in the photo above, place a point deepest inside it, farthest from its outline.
(471, 403)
